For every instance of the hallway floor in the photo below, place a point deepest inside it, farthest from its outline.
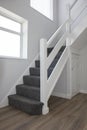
(64, 115)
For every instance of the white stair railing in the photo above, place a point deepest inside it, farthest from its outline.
(80, 11)
(73, 4)
(78, 24)
(47, 84)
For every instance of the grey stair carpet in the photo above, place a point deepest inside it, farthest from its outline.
(36, 71)
(29, 106)
(32, 80)
(27, 97)
(28, 91)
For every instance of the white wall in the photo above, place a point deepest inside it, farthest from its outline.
(83, 73)
(39, 27)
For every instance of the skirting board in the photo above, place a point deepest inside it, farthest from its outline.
(61, 95)
(83, 91)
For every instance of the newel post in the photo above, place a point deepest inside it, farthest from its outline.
(68, 25)
(43, 75)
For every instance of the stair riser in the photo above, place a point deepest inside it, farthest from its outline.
(34, 72)
(31, 81)
(49, 51)
(28, 108)
(37, 64)
(32, 94)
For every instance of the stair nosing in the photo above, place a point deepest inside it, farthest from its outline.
(28, 87)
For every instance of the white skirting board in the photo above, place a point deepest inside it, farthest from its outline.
(61, 95)
(4, 102)
(83, 91)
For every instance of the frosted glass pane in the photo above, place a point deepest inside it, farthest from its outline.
(43, 7)
(9, 24)
(9, 44)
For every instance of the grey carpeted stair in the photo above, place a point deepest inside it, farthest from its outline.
(49, 51)
(37, 63)
(32, 92)
(27, 105)
(32, 80)
(35, 71)
(27, 97)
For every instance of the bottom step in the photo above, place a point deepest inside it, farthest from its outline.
(29, 106)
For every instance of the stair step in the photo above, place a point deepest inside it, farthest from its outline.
(58, 55)
(29, 106)
(35, 71)
(54, 63)
(49, 71)
(49, 50)
(62, 48)
(28, 91)
(37, 63)
(32, 80)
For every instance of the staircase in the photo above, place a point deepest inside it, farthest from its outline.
(27, 97)
(32, 96)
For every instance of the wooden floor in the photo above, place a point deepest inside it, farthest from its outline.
(64, 115)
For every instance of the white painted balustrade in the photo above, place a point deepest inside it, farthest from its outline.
(47, 84)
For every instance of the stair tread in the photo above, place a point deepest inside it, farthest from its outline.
(49, 50)
(37, 60)
(31, 92)
(34, 71)
(35, 68)
(32, 76)
(24, 99)
(28, 87)
(31, 80)
(39, 69)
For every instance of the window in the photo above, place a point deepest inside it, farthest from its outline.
(43, 6)
(13, 35)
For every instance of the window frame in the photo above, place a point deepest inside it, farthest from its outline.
(23, 25)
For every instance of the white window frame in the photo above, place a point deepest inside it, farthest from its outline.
(23, 33)
(51, 10)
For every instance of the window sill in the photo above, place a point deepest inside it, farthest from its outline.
(12, 58)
